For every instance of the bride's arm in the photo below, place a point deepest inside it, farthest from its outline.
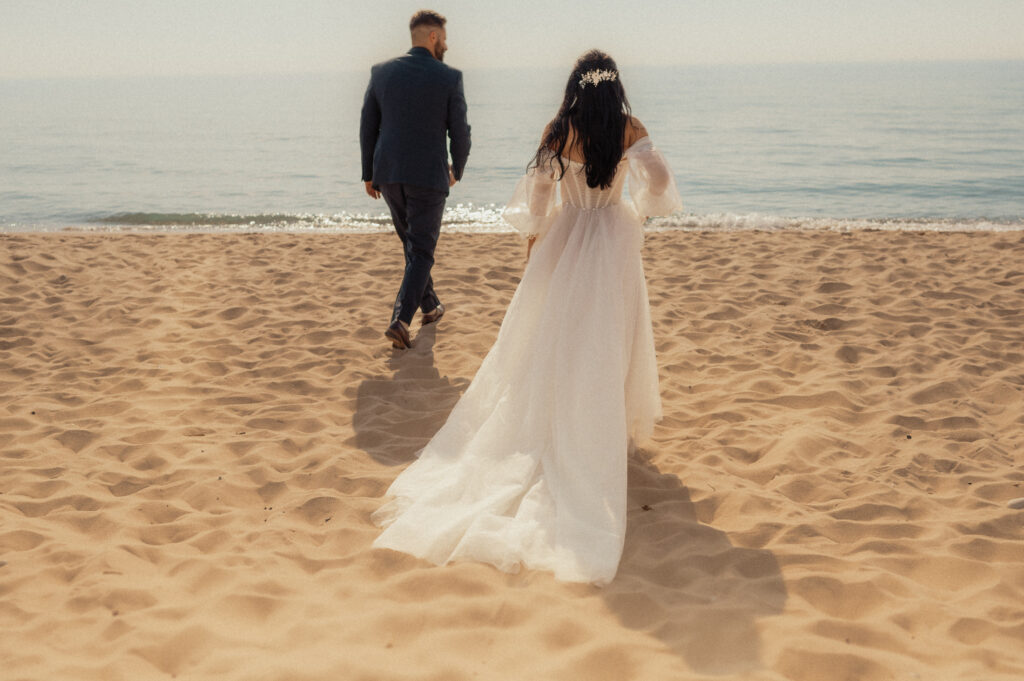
(534, 202)
(533, 205)
(650, 179)
(654, 166)
(541, 204)
(658, 174)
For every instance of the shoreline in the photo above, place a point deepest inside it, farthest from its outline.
(704, 225)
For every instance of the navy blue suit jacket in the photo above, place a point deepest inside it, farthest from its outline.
(411, 105)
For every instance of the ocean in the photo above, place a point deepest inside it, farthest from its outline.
(914, 146)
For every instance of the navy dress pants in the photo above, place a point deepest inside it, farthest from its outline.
(416, 212)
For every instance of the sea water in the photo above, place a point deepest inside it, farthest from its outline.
(937, 146)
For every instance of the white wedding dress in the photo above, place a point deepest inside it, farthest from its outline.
(530, 467)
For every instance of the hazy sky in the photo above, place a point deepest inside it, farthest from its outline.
(143, 37)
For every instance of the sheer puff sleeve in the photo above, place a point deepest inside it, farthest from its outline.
(651, 184)
(534, 203)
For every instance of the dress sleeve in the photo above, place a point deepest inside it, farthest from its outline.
(651, 184)
(534, 203)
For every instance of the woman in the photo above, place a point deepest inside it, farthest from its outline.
(530, 467)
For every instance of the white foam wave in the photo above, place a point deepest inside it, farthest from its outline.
(486, 219)
(731, 222)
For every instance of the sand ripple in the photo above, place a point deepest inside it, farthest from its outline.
(194, 430)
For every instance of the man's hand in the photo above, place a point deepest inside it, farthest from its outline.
(374, 194)
(451, 178)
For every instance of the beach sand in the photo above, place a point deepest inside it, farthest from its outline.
(195, 429)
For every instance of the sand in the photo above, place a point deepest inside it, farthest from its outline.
(194, 430)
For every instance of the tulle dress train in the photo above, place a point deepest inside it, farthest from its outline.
(530, 467)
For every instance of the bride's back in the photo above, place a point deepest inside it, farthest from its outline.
(632, 131)
(576, 191)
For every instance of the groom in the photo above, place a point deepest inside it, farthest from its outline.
(410, 105)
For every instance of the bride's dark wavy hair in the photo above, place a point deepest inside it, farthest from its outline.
(598, 113)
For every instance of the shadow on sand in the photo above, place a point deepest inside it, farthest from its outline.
(685, 583)
(680, 581)
(397, 414)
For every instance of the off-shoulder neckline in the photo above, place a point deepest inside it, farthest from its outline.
(624, 151)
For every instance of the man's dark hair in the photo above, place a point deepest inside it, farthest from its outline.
(425, 17)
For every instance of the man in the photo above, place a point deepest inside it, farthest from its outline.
(412, 102)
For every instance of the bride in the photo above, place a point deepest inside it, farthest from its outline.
(530, 468)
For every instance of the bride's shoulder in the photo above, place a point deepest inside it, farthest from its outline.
(635, 130)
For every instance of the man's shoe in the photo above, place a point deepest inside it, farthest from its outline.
(434, 315)
(399, 335)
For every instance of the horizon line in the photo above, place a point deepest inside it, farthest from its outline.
(628, 65)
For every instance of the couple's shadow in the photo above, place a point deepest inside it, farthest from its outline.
(397, 414)
(680, 580)
(685, 582)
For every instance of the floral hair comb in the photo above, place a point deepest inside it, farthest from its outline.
(597, 76)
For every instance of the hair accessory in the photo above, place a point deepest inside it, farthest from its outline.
(597, 76)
